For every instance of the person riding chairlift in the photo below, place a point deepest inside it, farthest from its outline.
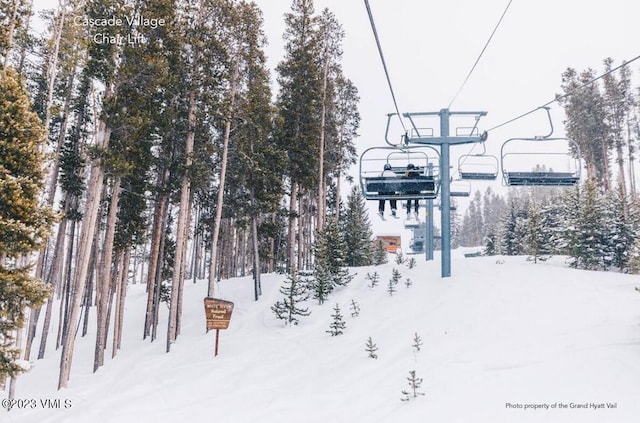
(412, 172)
(387, 172)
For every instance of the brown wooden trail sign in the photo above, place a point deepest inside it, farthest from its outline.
(218, 315)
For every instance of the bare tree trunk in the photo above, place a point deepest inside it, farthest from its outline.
(302, 211)
(94, 190)
(291, 241)
(183, 248)
(65, 292)
(183, 223)
(195, 247)
(88, 299)
(121, 292)
(158, 275)
(159, 223)
(257, 286)
(322, 195)
(14, 379)
(103, 284)
(632, 172)
(53, 281)
(10, 31)
(223, 173)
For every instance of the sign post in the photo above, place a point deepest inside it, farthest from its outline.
(218, 314)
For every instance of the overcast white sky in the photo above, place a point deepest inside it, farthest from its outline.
(430, 46)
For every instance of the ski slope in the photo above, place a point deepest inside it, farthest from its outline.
(504, 340)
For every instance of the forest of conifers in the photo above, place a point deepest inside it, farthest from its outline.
(165, 156)
(143, 142)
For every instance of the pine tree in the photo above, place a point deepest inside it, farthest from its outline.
(586, 123)
(322, 282)
(391, 287)
(622, 229)
(294, 292)
(414, 385)
(379, 253)
(513, 233)
(536, 239)
(299, 108)
(24, 223)
(417, 342)
(371, 348)
(553, 226)
(329, 268)
(408, 282)
(491, 246)
(357, 231)
(337, 325)
(411, 263)
(355, 309)
(587, 230)
(395, 276)
(373, 279)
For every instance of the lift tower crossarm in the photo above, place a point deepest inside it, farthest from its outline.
(445, 141)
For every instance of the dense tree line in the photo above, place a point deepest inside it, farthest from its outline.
(596, 230)
(166, 158)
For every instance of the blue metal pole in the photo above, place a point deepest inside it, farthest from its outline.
(445, 199)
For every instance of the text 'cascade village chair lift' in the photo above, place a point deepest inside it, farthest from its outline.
(540, 161)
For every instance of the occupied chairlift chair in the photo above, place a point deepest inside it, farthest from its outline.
(517, 172)
(399, 187)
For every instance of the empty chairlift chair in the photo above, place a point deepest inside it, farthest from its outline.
(459, 188)
(540, 161)
(478, 167)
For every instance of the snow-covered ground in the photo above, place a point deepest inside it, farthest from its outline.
(499, 336)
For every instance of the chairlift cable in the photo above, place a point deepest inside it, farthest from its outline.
(384, 64)
(480, 55)
(560, 97)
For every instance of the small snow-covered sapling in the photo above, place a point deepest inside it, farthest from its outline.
(338, 324)
(371, 348)
(355, 308)
(411, 263)
(414, 385)
(373, 279)
(417, 342)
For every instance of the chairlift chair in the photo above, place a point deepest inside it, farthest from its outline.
(479, 166)
(459, 188)
(540, 161)
(377, 187)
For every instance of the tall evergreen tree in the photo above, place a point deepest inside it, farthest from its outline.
(357, 231)
(255, 183)
(622, 226)
(536, 242)
(24, 223)
(298, 104)
(329, 267)
(586, 123)
(585, 244)
(513, 229)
